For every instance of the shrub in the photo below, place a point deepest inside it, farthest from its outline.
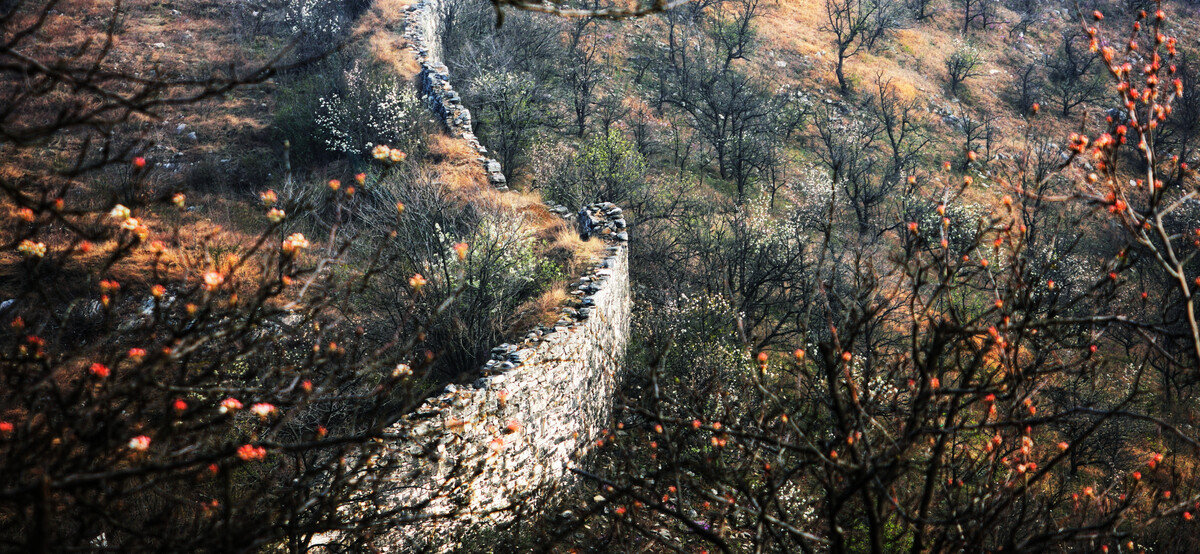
(962, 64)
(611, 168)
(317, 24)
(297, 101)
(508, 111)
(370, 107)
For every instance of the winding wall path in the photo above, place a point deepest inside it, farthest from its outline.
(493, 454)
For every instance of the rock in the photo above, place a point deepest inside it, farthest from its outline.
(521, 356)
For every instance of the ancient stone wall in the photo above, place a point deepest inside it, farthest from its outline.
(422, 30)
(489, 458)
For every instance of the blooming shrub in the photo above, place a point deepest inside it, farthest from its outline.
(371, 108)
(316, 23)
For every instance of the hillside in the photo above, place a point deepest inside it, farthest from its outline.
(707, 275)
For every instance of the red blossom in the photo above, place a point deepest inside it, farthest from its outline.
(251, 453)
(140, 443)
(99, 370)
(230, 404)
(262, 409)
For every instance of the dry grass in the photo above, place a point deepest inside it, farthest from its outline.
(543, 310)
(455, 164)
(380, 25)
(446, 149)
(563, 246)
(180, 247)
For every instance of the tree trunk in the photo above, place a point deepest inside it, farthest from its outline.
(841, 74)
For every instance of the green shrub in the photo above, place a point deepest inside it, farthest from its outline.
(296, 101)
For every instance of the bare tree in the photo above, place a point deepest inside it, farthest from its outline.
(849, 151)
(508, 109)
(730, 109)
(887, 17)
(1072, 79)
(919, 9)
(976, 128)
(1027, 88)
(978, 12)
(850, 23)
(965, 62)
(581, 73)
(899, 124)
(1028, 10)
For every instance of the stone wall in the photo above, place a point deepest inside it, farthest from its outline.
(487, 459)
(496, 452)
(422, 30)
